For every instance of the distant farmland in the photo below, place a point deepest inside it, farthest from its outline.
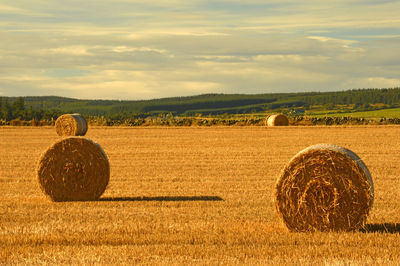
(27, 108)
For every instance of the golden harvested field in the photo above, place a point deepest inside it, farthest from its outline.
(191, 196)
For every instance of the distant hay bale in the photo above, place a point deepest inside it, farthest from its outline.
(71, 125)
(73, 169)
(277, 120)
(324, 187)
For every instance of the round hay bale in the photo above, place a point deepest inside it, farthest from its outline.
(277, 120)
(324, 187)
(71, 125)
(73, 169)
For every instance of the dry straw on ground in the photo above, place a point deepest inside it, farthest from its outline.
(71, 125)
(277, 120)
(74, 168)
(324, 187)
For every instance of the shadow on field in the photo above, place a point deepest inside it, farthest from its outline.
(391, 228)
(164, 198)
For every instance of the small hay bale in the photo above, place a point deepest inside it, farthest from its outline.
(71, 125)
(324, 187)
(73, 169)
(277, 120)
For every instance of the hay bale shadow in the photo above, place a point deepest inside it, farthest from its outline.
(391, 228)
(164, 198)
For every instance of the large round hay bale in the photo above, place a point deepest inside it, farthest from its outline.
(324, 187)
(71, 125)
(277, 120)
(74, 168)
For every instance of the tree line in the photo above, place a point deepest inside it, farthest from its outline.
(18, 110)
(50, 107)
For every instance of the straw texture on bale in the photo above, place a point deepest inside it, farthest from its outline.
(324, 187)
(74, 169)
(71, 125)
(277, 120)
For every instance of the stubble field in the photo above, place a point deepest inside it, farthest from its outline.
(191, 196)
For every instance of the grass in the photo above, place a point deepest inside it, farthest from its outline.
(191, 196)
(388, 113)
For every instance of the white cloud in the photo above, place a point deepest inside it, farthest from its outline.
(68, 50)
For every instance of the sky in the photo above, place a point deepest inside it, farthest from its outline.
(130, 50)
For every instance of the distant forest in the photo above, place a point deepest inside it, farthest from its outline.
(50, 107)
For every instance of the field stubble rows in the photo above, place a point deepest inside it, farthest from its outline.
(191, 195)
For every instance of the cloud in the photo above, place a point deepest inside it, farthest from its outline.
(10, 9)
(68, 50)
